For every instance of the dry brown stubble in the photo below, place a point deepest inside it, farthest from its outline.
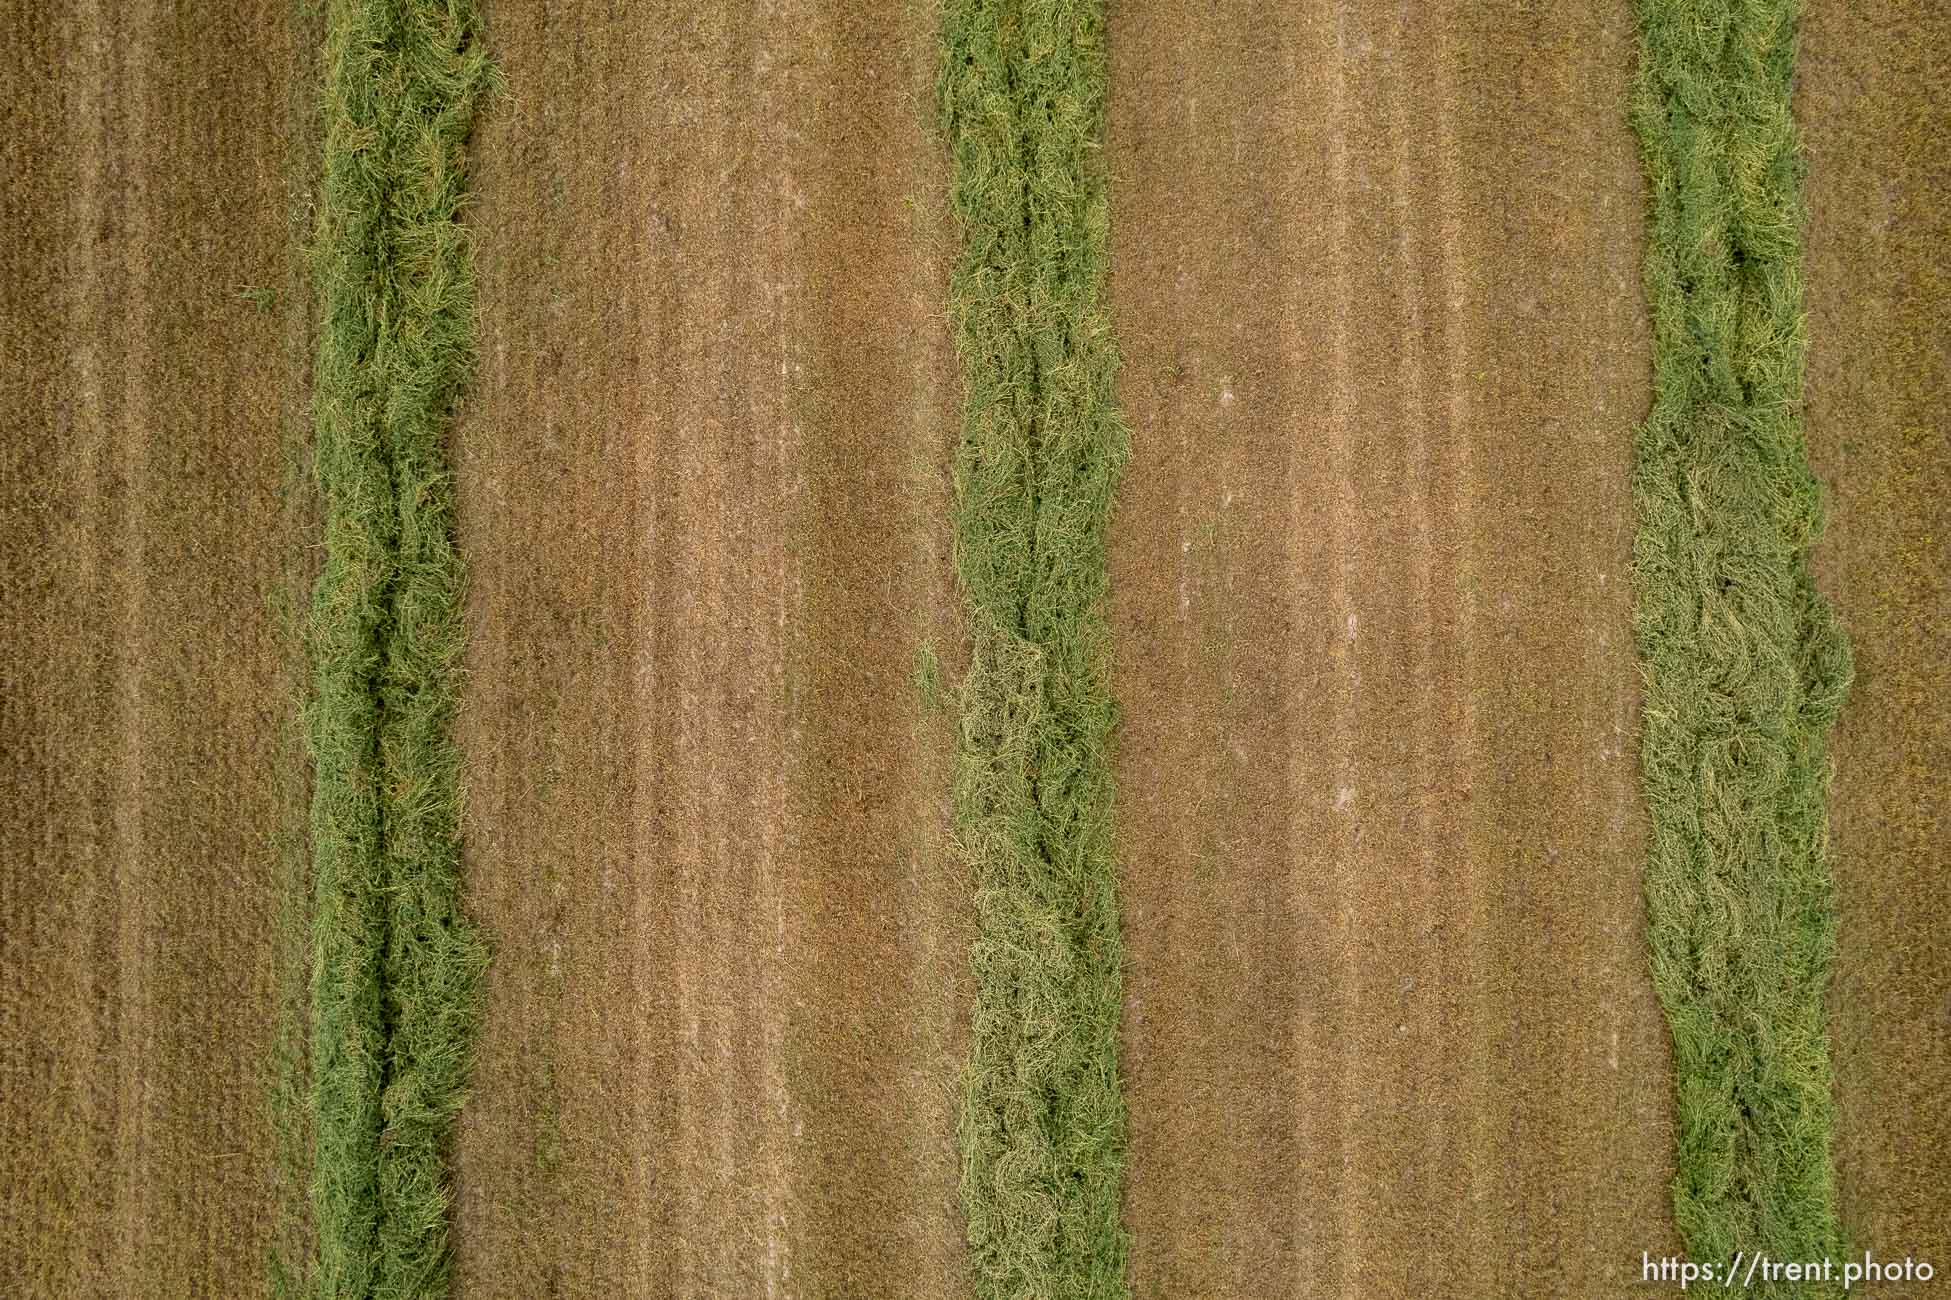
(146, 169)
(1873, 102)
(1390, 1029)
(703, 490)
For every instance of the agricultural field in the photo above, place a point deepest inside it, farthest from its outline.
(972, 649)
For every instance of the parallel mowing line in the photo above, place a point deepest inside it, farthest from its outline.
(395, 967)
(1042, 1128)
(1745, 665)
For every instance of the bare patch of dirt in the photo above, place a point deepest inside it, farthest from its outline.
(147, 162)
(702, 495)
(1873, 105)
(1377, 282)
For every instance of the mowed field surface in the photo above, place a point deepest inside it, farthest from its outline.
(1376, 276)
(703, 496)
(1376, 281)
(149, 754)
(1873, 97)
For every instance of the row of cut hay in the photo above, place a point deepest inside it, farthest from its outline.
(395, 966)
(1042, 1126)
(1744, 665)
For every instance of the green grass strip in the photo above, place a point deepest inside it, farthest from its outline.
(395, 966)
(1042, 1127)
(1745, 665)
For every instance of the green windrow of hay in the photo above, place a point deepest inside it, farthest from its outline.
(1042, 1127)
(395, 966)
(1745, 666)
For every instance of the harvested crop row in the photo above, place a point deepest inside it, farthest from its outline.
(1042, 1129)
(1745, 665)
(394, 965)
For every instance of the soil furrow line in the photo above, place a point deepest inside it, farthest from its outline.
(131, 34)
(718, 1237)
(773, 612)
(95, 371)
(100, 362)
(42, 1004)
(1428, 351)
(708, 1238)
(1466, 1006)
(1343, 685)
(1430, 784)
(1314, 353)
(1393, 1180)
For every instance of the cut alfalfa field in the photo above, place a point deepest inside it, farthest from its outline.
(1745, 667)
(1042, 1130)
(395, 964)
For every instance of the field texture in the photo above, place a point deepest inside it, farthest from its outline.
(395, 963)
(704, 502)
(150, 337)
(1746, 667)
(1376, 279)
(1873, 87)
(1043, 1119)
(805, 526)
